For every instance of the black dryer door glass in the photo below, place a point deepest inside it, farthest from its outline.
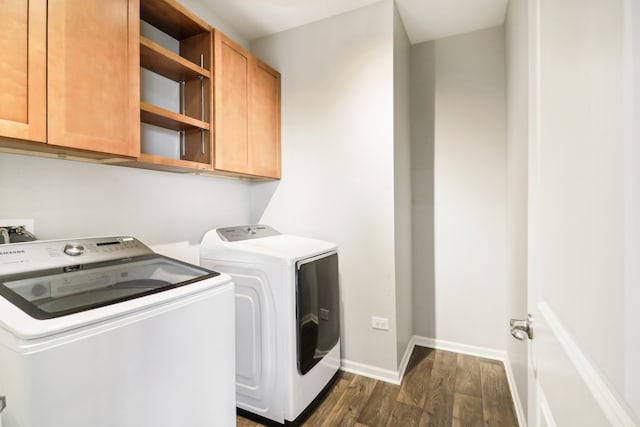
(318, 309)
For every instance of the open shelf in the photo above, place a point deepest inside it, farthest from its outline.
(162, 61)
(172, 18)
(192, 67)
(158, 116)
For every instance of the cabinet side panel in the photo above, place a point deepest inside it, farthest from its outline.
(22, 69)
(264, 154)
(232, 92)
(90, 74)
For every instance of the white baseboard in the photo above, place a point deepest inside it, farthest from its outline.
(405, 358)
(374, 372)
(487, 353)
(517, 402)
(386, 375)
(395, 377)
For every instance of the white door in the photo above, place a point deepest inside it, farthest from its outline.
(584, 213)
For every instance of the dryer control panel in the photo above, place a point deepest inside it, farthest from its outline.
(245, 232)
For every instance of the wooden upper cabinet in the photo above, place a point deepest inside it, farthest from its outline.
(232, 64)
(23, 43)
(264, 121)
(247, 112)
(93, 75)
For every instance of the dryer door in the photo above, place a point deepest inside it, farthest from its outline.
(317, 309)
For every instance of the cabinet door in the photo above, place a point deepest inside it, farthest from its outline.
(232, 67)
(93, 75)
(264, 121)
(23, 45)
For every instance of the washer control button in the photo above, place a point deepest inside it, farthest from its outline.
(73, 249)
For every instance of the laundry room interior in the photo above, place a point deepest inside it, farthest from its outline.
(403, 140)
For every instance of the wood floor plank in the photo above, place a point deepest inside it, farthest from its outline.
(449, 396)
(467, 411)
(438, 410)
(404, 415)
(490, 361)
(496, 399)
(415, 384)
(243, 422)
(377, 410)
(351, 403)
(468, 376)
(327, 406)
(348, 376)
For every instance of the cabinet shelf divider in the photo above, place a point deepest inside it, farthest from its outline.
(167, 119)
(162, 61)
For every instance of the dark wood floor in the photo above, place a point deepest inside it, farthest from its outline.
(439, 388)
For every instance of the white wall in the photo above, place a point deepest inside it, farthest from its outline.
(337, 162)
(73, 199)
(466, 77)
(517, 146)
(402, 183)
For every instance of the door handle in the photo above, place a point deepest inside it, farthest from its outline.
(522, 328)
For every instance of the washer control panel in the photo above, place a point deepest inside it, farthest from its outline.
(45, 254)
(245, 232)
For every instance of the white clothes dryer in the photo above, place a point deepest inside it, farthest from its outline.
(287, 317)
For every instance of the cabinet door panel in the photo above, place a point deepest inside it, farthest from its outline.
(231, 105)
(22, 69)
(93, 75)
(264, 122)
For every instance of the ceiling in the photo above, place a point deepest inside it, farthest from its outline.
(424, 20)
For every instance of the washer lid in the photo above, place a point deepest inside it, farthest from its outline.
(55, 292)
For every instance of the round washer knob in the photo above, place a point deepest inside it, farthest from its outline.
(73, 249)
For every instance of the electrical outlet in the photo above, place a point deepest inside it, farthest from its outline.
(381, 323)
(26, 223)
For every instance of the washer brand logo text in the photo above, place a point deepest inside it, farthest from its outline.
(11, 252)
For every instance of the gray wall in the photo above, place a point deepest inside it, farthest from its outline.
(73, 199)
(422, 169)
(458, 84)
(517, 192)
(204, 10)
(402, 183)
(337, 161)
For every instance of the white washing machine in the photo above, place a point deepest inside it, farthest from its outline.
(287, 317)
(103, 332)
